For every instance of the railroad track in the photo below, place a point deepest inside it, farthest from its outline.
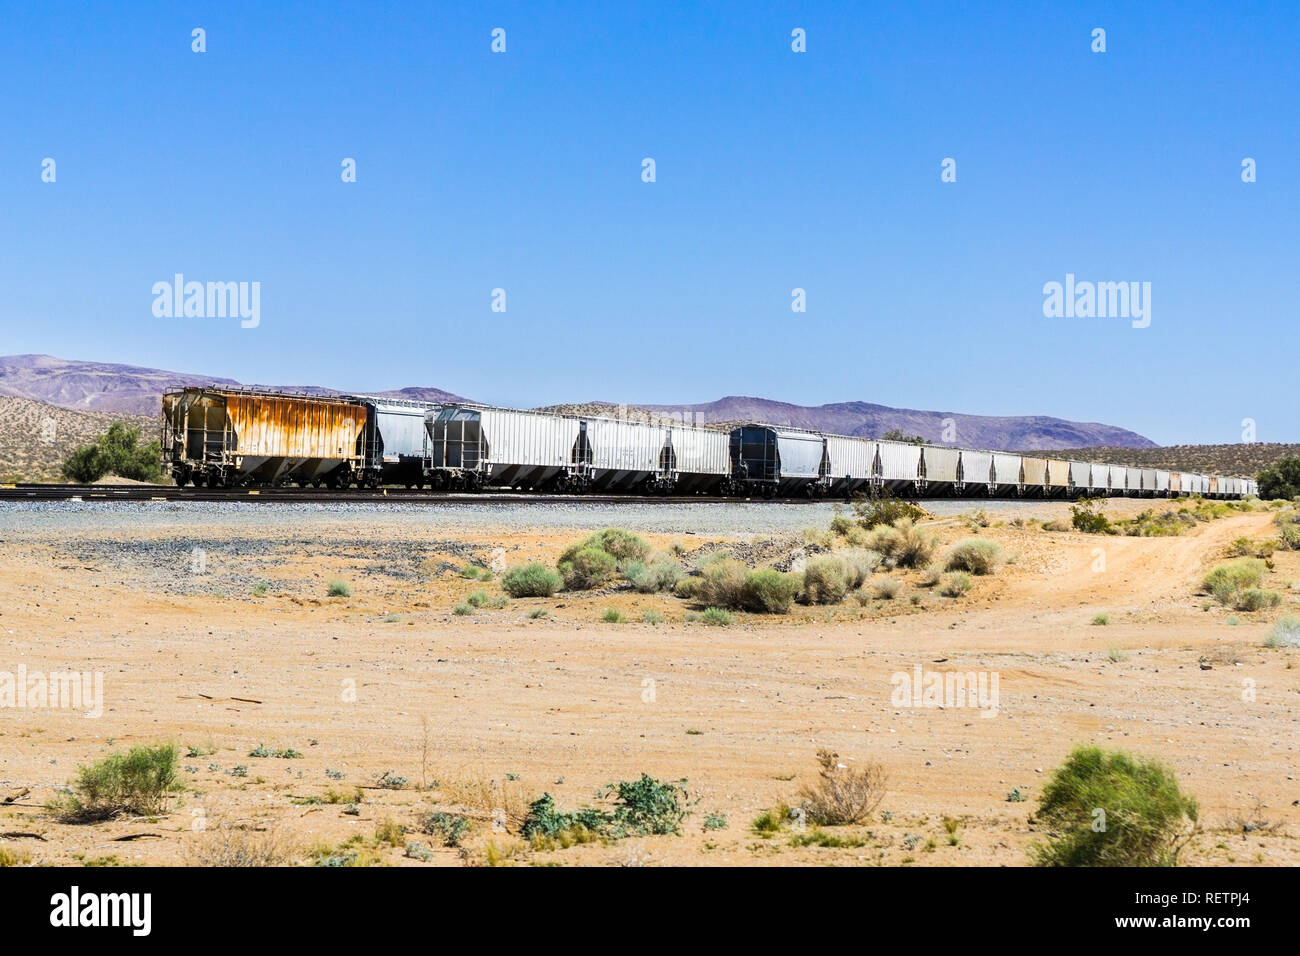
(104, 493)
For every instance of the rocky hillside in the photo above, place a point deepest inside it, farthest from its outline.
(1246, 460)
(36, 437)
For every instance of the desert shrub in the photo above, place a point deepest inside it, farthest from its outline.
(860, 565)
(587, 568)
(1101, 620)
(929, 578)
(662, 574)
(462, 609)
(1087, 517)
(1288, 530)
(842, 795)
(451, 828)
(688, 588)
(954, 584)
(1241, 548)
(538, 613)
(1225, 580)
(619, 544)
(903, 544)
(976, 519)
(886, 588)
(135, 782)
(612, 616)
(710, 558)
(768, 591)
(652, 617)
(842, 525)
(883, 509)
(1285, 633)
(1256, 599)
(723, 583)
(717, 617)
(337, 588)
(1148, 819)
(531, 580)
(824, 581)
(477, 599)
(976, 555)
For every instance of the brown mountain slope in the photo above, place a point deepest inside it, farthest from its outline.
(35, 437)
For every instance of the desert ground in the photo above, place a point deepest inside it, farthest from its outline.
(214, 629)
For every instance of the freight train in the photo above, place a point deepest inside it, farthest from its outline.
(224, 438)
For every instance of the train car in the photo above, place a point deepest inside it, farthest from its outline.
(223, 437)
(898, 466)
(1162, 483)
(768, 460)
(851, 463)
(1007, 476)
(1175, 484)
(1080, 478)
(940, 469)
(977, 472)
(698, 459)
(1058, 478)
(393, 441)
(627, 456)
(1116, 480)
(1035, 475)
(474, 446)
(1148, 482)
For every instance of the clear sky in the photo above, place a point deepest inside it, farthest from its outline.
(774, 170)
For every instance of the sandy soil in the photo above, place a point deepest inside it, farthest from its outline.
(484, 712)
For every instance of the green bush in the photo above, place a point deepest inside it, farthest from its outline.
(1225, 580)
(463, 609)
(451, 828)
(688, 588)
(717, 617)
(883, 509)
(622, 546)
(1101, 620)
(954, 584)
(135, 782)
(118, 451)
(1256, 599)
(587, 568)
(1280, 480)
(477, 599)
(531, 580)
(976, 555)
(825, 581)
(1087, 518)
(767, 590)
(337, 588)
(643, 807)
(723, 583)
(1147, 818)
(612, 616)
(652, 617)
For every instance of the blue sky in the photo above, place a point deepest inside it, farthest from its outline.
(775, 170)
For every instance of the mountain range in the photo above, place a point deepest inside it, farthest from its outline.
(136, 391)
